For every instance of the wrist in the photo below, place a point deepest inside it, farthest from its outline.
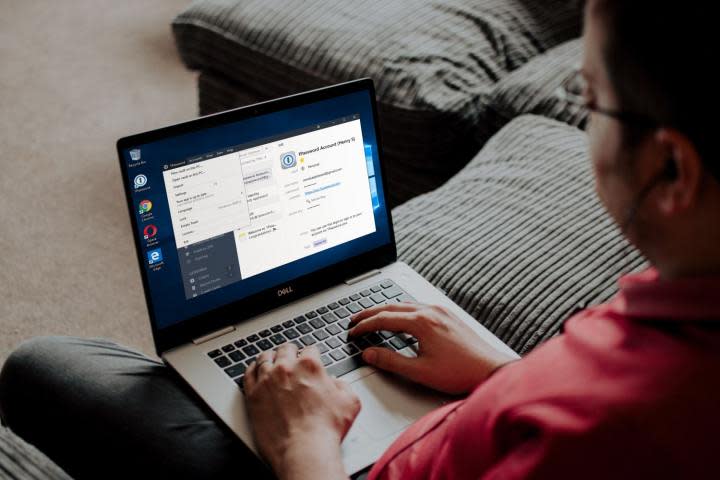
(311, 455)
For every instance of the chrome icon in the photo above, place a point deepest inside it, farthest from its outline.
(144, 207)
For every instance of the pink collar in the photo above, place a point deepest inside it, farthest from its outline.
(646, 295)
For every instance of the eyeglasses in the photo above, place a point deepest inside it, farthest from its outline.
(573, 90)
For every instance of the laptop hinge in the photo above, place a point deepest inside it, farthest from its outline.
(362, 277)
(216, 334)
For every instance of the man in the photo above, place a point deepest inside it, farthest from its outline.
(630, 389)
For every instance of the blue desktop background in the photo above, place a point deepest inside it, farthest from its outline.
(169, 304)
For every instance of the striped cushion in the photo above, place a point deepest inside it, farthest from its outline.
(434, 63)
(536, 88)
(21, 461)
(518, 238)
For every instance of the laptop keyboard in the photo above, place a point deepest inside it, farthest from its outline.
(326, 328)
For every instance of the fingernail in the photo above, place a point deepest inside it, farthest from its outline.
(370, 356)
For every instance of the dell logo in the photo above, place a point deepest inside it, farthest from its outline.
(284, 291)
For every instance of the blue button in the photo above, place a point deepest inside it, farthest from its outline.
(154, 256)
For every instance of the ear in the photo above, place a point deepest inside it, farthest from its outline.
(679, 193)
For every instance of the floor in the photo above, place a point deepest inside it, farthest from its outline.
(76, 76)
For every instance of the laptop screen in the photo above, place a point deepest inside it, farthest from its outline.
(235, 209)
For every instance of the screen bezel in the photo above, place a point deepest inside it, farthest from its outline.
(266, 300)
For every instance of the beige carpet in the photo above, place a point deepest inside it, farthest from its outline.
(75, 76)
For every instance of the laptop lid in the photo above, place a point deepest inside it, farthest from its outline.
(240, 212)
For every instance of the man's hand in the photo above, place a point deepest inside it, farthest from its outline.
(452, 358)
(299, 413)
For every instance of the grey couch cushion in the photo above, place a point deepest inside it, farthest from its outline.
(518, 238)
(534, 88)
(21, 461)
(434, 62)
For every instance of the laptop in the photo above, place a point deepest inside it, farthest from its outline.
(269, 224)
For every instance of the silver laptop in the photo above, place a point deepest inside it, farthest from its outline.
(269, 224)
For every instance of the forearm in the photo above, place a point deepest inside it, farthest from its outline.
(311, 460)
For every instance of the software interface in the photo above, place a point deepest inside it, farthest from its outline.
(251, 208)
(242, 207)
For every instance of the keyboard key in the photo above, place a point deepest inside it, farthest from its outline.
(344, 323)
(333, 329)
(386, 284)
(235, 370)
(361, 343)
(354, 308)
(392, 292)
(342, 312)
(366, 293)
(215, 353)
(288, 323)
(345, 366)
(321, 335)
(333, 306)
(374, 338)
(350, 349)
(322, 347)
(222, 362)
(377, 298)
(308, 340)
(311, 315)
(385, 334)
(322, 310)
(304, 328)
(278, 339)
(250, 361)
(344, 301)
(333, 342)
(367, 303)
(355, 297)
(265, 344)
(265, 333)
(317, 323)
(330, 318)
(253, 338)
(276, 328)
(343, 336)
(241, 343)
(297, 344)
(376, 288)
(300, 319)
(325, 360)
(236, 356)
(251, 350)
(291, 333)
(337, 354)
(228, 348)
(405, 298)
(411, 340)
(398, 343)
(241, 382)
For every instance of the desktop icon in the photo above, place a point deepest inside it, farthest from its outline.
(288, 160)
(149, 231)
(140, 181)
(154, 256)
(144, 207)
(135, 154)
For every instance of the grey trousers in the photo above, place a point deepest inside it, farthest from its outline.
(100, 410)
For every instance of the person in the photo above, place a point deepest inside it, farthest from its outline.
(629, 389)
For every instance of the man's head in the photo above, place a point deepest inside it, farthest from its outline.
(654, 151)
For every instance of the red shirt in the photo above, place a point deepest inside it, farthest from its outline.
(631, 389)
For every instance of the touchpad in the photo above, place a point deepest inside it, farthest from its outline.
(389, 405)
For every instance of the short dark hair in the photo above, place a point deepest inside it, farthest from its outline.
(659, 54)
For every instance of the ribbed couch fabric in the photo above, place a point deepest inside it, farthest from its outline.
(21, 461)
(518, 238)
(537, 88)
(434, 64)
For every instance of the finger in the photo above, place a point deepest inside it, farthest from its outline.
(264, 363)
(392, 307)
(386, 359)
(286, 354)
(249, 379)
(392, 321)
(311, 351)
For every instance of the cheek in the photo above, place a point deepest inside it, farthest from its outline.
(604, 153)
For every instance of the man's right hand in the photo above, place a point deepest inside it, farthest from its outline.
(452, 358)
